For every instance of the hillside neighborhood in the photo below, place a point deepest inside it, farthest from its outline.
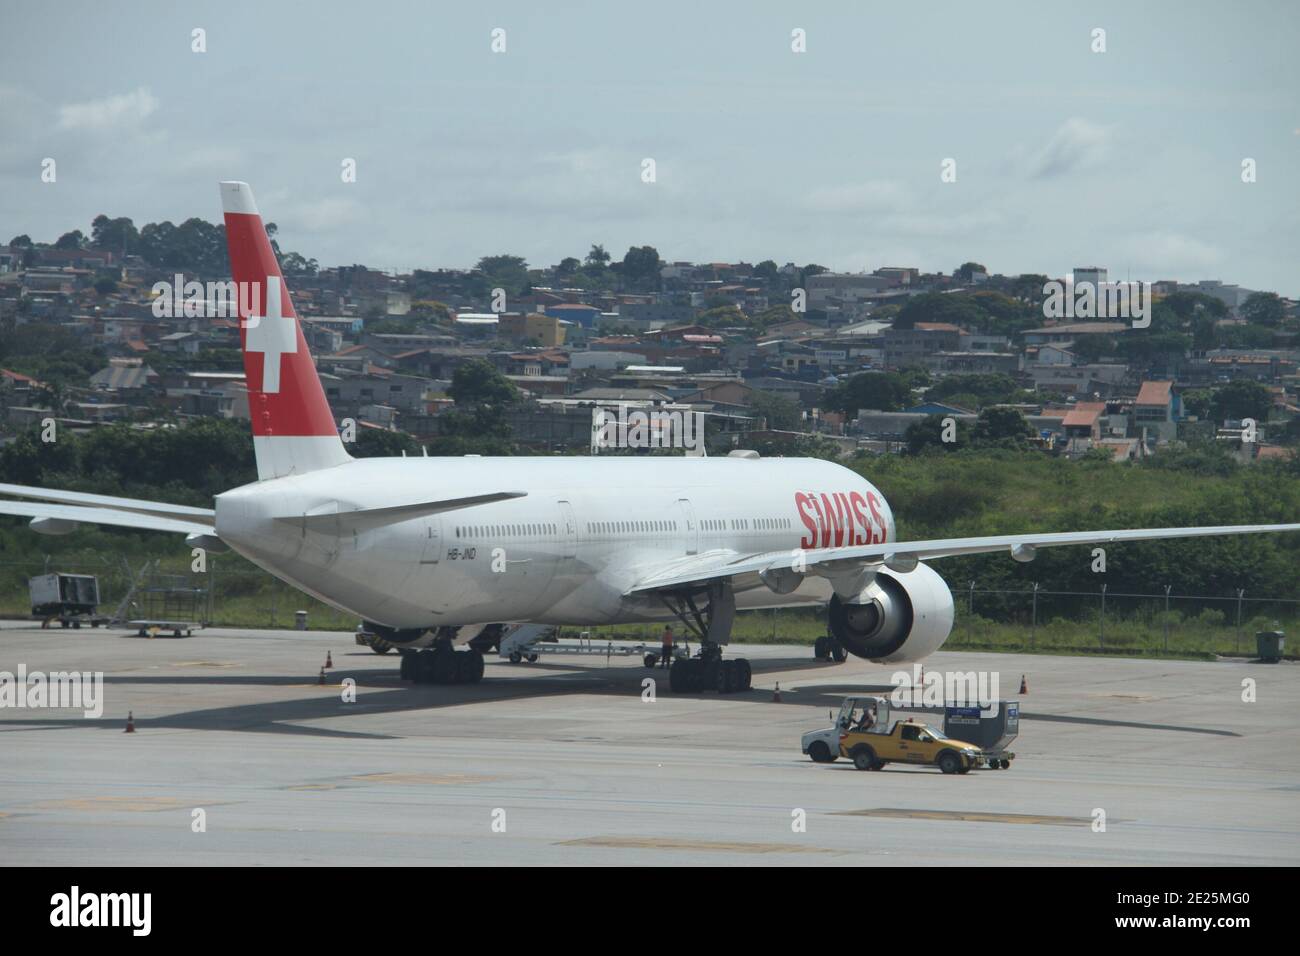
(785, 359)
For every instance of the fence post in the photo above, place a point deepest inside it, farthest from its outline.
(1167, 587)
(1236, 647)
(1103, 616)
(970, 607)
(1033, 620)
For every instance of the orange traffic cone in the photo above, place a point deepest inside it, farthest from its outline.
(1024, 687)
(329, 661)
(322, 676)
(130, 723)
(776, 693)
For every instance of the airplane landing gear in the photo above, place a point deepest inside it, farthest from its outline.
(712, 627)
(442, 664)
(709, 671)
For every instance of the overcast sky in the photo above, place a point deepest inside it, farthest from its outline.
(1129, 159)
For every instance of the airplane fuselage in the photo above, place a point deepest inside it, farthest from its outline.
(565, 553)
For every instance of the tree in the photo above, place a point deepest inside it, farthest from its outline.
(885, 391)
(115, 235)
(382, 443)
(641, 267)
(1186, 306)
(478, 382)
(1264, 308)
(71, 240)
(568, 266)
(808, 271)
(504, 272)
(1001, 426)
(1198, 402)
(991, 389)
(781, 413)
(966, 271)
(23, 241)
(294, 264)
(928, 433)
(1242, 399)
(597, 258)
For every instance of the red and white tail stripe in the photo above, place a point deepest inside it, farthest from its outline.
(293, 427)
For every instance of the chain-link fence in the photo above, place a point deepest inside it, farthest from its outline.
(1037, 618)
(149, 589)
(1028, 619)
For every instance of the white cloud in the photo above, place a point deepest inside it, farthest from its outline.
(322, 214)
(873, 196)
(122, 109)
(1169, 254)
(1076, 144)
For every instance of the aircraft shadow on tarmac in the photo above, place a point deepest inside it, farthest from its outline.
(382, 692)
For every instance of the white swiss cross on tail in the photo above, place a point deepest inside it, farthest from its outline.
(272, 334)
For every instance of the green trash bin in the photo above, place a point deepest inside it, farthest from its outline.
(1269, 645)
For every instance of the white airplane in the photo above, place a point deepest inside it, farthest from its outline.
(431, 551)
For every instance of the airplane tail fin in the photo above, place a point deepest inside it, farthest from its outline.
(293, 427)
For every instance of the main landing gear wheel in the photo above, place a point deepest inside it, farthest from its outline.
(442, 665)
(691, 675)
(708, 613)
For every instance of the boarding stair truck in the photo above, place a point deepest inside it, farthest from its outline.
(990, 728)
(823, 746)
(71, 599)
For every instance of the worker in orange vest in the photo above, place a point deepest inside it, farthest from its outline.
(666, 652)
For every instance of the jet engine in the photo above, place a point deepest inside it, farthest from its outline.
(897, 617)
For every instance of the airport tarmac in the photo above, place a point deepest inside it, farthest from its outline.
(582, 770)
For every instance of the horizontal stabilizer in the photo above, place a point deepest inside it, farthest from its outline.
(363, 519)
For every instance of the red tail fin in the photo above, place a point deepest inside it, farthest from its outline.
(293, 427)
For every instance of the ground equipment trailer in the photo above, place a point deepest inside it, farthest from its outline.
(71, 599)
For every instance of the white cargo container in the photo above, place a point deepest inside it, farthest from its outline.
(68, 597)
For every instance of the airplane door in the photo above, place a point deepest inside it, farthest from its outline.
(433, 540)
(690, 528)
(568, 531)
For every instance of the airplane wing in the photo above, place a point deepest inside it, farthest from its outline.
(66, 509)
(902, 556)
(135, 505)
(79, 515)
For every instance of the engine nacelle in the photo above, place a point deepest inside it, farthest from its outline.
(896, 618)
(400, 637)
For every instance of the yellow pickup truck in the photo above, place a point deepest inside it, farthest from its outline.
(907, 742)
